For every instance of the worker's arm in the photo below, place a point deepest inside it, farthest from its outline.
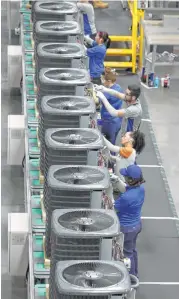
(111, 147)
(112, 92)
(112, 111)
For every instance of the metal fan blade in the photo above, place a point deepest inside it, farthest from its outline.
(65, 177)
(93, 178)
(65, 139)
(72, 277)
(53, 7)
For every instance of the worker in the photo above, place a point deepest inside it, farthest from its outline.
(99, 4)
(132, 114)
(128, 207)
(97, 54)
(132, 144)
(87, 10)
(111, 125)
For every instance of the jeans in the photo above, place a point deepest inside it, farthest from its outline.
(130, 251)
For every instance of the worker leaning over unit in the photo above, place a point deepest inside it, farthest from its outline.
(132, 144)
(86, 8)
(132, 113)
(110, 124)
(96, 54)
(128, 207)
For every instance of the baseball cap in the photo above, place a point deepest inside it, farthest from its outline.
(132, 171)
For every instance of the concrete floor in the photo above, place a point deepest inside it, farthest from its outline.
(156, 240)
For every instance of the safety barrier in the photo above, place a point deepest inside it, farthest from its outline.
(135, 40)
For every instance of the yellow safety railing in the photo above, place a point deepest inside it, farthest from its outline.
(136, 40)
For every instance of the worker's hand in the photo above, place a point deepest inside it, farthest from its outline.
(98, 87)
(100, 95)
(113, 177)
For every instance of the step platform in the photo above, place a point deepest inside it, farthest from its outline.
(28, 42)
(36, 179)
(38, 213)
(34, 143)
(32, 112)
(27, 24)
(29, 63)
(41, 291)
(30, 86)
(41, 263)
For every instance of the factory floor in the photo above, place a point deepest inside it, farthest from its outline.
(158, 243)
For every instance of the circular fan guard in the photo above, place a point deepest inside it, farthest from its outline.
(68, 104)
(79, 175)
(55, 6)
(74, 137)
(57, 26)
(61, 49)
(64, 75)
(87, 221)
(93, 275)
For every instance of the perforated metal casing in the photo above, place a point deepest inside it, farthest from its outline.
(71, 82)
(62, 287)
(60, 55)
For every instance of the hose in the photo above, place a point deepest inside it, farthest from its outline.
(134, 281)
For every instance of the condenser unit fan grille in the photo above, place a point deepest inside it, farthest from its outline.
(86, 221)
(68, 104)
(79, 176)
(64, 76)
(92, 275)
(61, 49)
(74, 137)
(60, 27)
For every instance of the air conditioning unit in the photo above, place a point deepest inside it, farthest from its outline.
(56, 11)
(77, 187)
(91, 234)
(71, 146)
(60, 55)
(58, 31)
(62, 81)
(90, 279)
(79, 233)
(16, 141)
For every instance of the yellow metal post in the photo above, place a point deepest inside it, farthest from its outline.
(134, 35)
(141, 42)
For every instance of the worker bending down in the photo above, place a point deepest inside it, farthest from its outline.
(110, 124)
(128, 207)
(131, 114)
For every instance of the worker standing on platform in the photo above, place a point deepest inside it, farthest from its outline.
(111, 125)
(87, 10)
(97, 54)
(128, 207)
(132, 114)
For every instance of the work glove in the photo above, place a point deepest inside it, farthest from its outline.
(114, 178)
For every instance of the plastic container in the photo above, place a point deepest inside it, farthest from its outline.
(156, 82)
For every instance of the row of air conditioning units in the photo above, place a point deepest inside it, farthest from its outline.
(77, 243)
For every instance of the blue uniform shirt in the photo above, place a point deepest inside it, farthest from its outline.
(114, 101)
(129, 205)
(96, 56)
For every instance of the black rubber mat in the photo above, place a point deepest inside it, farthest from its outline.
(150, 155)
(158, 202)
(158, 292)
(158, 247)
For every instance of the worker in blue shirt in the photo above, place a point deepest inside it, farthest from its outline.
(111, 125)
(128, 207)
(97, 54)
